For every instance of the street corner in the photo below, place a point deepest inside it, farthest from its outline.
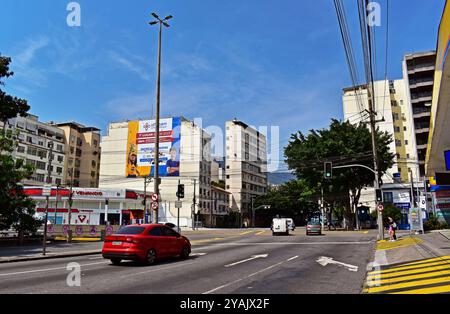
(426, 276)
(399, 243)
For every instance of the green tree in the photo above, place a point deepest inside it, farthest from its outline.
(342, 143)
(10, 106)
(16, 209)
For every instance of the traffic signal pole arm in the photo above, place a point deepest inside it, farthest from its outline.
(355, 165)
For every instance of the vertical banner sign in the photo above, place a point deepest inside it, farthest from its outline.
(415, 217)
(141, 148)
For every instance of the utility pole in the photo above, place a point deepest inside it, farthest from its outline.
(145, 199)
(413, 199)
(253, 213)
(56, 203)
(69, 235)
(158, 98)
(47, 197)
(193, 206)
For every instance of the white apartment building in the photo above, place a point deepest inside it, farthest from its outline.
(395, 117)
(194, 168)
(35, 138)
(246, 166)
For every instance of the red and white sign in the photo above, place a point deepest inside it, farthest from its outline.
(380, 208)
(154, 197)
(155, 205)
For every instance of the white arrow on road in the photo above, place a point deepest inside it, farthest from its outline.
(324, 261)
(198, 254)
(248, 259)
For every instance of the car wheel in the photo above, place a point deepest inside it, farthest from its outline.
(151, 257)
(185, 252)
(115, 261)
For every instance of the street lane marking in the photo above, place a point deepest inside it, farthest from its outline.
(378, 282)
(324, 261)
(245, 232)
(409, 284)
(261, 232)
(48, 269)
(438, 289)
(411, 271)
(158, 269)
(198, 254)
(248, 259)
(249, 276)
(98, 257)
(206, 240)
(292, 258)
(395, 269)
(419, 277)
(291, 243)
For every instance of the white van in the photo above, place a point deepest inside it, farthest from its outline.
(280, 226)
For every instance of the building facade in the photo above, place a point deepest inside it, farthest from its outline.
(35, 139)
(418, 74)
(193, 155)
(394, 116)
(246, 166)
(82, 154)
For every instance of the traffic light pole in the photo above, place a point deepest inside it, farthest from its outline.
(178, 210)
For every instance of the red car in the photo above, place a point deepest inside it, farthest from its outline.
(145, 243)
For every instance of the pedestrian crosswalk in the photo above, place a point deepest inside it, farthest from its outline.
(427, 276)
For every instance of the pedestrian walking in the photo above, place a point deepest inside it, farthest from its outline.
(391, 229)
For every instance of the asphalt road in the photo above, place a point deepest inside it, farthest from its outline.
(222, 262)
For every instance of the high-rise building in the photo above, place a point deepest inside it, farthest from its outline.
(418, 73)
(393, 115)
(34, 141)
(246, 166)
(83, 154)
(185, 158)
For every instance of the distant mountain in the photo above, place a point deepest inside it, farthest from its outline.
(277, 178)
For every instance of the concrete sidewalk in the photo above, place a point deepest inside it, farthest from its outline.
(54, 250)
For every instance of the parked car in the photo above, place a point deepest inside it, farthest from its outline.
(313, 227)
(291, 224)
(280, 226)
(145, 243)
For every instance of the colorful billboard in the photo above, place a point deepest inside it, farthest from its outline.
(141, 148)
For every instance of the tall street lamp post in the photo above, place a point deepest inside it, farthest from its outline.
(161, 22)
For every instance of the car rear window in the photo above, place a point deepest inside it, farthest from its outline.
(131, 230)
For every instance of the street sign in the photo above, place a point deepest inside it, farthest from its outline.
(178, 204)
(46, 190)
(381, 208)
(154, 197)
(155, 205)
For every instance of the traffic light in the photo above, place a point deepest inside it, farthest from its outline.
(379, 195)
(428, 186)
(180, 192)
(328, 170)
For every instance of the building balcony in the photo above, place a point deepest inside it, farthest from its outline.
(422, 114)
(422, 130)
(423, 98)
(422, 146)
(420, 83)
(421, 68)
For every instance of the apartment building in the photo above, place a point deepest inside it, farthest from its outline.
(246, 166)
(83, 154)
(185, 157)
(36, 140)
(394, 116)
(418, 74)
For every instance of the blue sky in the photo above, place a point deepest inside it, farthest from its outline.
(265, 62)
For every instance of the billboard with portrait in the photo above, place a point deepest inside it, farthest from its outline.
(141, 148)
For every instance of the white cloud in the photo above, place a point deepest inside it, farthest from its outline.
(127, 63)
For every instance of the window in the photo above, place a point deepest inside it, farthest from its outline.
(59, 147)
(397, 129)
(404, 128)
(40, 165)
(20, 149)
(157, 232)
(395, 116)
(60, 158)
(58, 169)
(58, 181)
(93, 174)
(95, 143)
(169, 232)
(131, 230)
(406, 142)
(40, 177)
(31, 151)
(398, 143)
(388, 197)
(94, 163)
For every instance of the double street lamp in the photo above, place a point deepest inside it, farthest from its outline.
(161, 22)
